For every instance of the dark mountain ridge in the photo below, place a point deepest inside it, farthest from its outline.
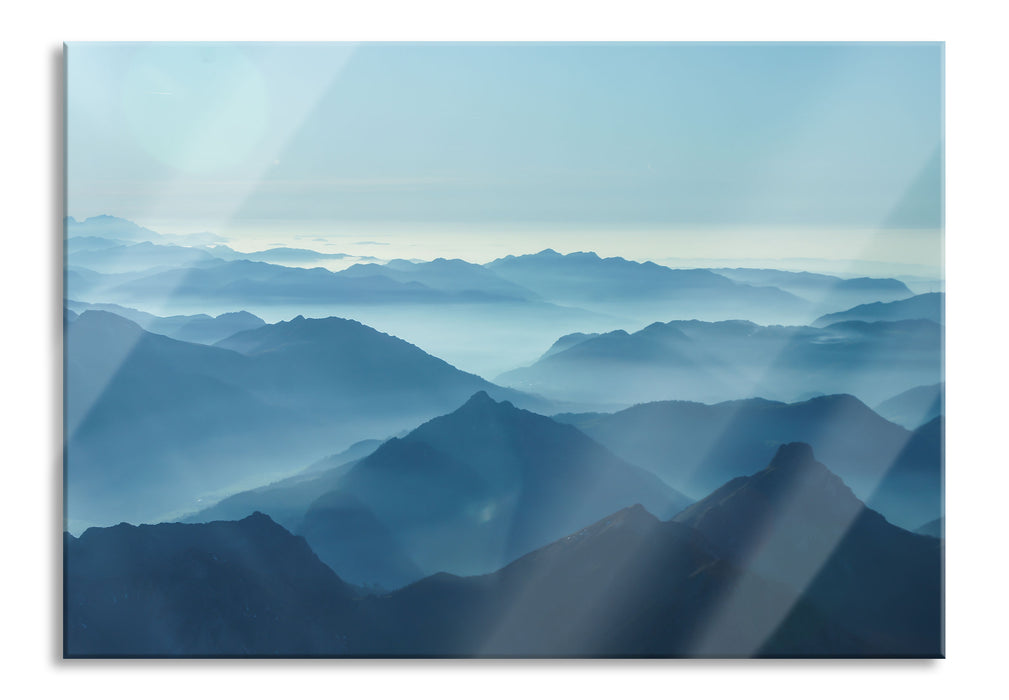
(197, 328)
(153, 424)
(848, 584)
(696, 447)
(467, 493)
(246, 588)
(711, 362)
(797, 522)
(921, 306)
(643, 289)
(916, 406)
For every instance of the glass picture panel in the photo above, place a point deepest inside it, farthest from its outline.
(504, 350)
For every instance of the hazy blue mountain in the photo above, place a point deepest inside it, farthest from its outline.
(916, 406)
(340, 362)
(933, 528)
(301, 257)
(444, 275)
(139, 256)
(472, 490)
(345, 531)
(285, 501)
(710, 362)
(243, 588)
(79, 280)
(927, 306)
(796, 522)
(627, 585)
(567, 341)
(199, 328)
(105, 226)
(360, 449)
(156, 424)
(577, 276)
(911, 489)
(643, 289)
(78, 244)
(696, 447)
(245, 282)
(241, 281)
(82, 283)
(291, 256)
(823, 291)
(153, 424)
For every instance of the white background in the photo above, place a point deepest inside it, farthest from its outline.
(30, 110)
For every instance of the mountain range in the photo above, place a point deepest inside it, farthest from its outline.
(113, 227)
(637, 291)
(843, 582)
(921, 306)
(916, 406)
(822, 291)
(466, 493)
(643, 289)
(154, 424)
(324, 488)
(798, 523)
(696, 447)
(198, 328)
(710, 362)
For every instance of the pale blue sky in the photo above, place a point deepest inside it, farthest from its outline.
(815, 139)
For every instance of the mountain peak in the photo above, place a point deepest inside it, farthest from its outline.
(482, 399)
(794, 455)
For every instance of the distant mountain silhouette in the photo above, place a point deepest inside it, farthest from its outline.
(926, 306)
(361, 448)
(643, 289)
(244, 282)
(470, 491)
(567, 341)
(153, 424)
(444, 275)
(89, 243)
(911, 490)
(467, 493)
(697, 447)
(914, 407)
(285, 501)
(105, 226)
(340, 362)
(199, 328)
(710, 362)
(933, 528)
(796, 522)
(576, 276)
(626, 585)
(823, 291)
(288, 256)
(139, 256)
(246, 588)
